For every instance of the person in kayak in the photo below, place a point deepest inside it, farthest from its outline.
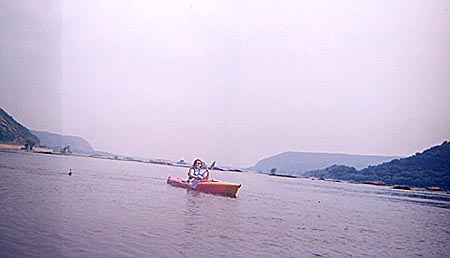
(195, 172)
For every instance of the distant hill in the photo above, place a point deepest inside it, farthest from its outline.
(429, 168)
(56, 142)
(12, 131)
(297, 163)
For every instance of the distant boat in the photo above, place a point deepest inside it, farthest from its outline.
(162, 162)
(434, 188)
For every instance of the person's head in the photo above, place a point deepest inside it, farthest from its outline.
(197, 163)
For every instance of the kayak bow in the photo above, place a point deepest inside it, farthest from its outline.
(212, 187)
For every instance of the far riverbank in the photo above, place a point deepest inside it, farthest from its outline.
(21, 149)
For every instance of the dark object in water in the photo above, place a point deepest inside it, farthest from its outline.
(402, 187)
(70, 172)
(374, 183)
(290, 176)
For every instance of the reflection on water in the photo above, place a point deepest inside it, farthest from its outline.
(113, 208)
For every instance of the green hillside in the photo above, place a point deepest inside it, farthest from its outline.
(12, 131)
(429, 168)
(297, 163)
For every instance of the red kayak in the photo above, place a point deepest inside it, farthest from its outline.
(213, 187)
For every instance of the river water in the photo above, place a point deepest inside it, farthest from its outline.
(111, 208)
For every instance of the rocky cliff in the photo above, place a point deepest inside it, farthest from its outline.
(12, 131)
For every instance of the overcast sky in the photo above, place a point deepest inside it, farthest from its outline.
(232, 81)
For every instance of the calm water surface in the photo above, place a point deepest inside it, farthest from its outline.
(113, 208)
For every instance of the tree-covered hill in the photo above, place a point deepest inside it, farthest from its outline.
(296, 163)
(57, 142)
(429, 168)
(12, 131)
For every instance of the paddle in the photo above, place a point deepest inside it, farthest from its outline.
(212, 165)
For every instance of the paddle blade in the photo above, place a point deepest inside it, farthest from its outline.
(212, 165)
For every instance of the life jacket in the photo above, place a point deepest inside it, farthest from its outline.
(197, 171)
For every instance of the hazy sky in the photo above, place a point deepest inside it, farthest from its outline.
(232, 81)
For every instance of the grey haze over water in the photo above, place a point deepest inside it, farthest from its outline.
(230, 81)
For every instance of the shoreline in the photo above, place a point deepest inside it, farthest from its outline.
(20, 149)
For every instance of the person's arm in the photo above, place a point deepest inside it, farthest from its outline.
(206, 174)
